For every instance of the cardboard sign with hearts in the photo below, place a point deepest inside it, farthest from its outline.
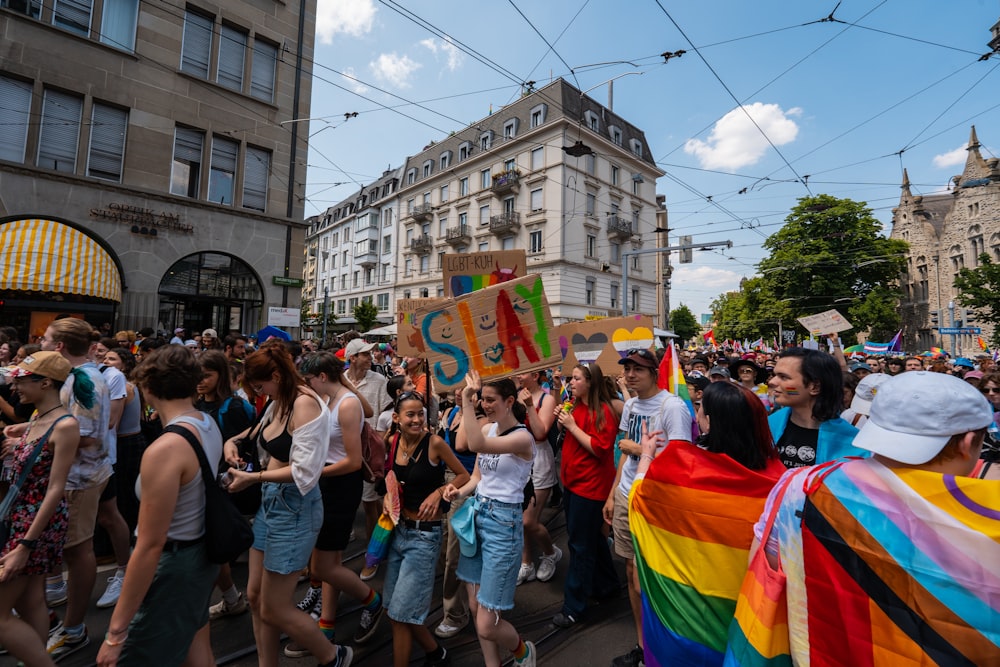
(604, 342)
(409, 342)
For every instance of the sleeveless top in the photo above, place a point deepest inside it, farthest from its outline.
(503, 475)
(129, 422)
(188, 521)
(419, 477)
(280, 447)
(337, 451)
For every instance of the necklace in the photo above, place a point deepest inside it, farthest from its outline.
(409, 449)
(34, 420)
(52, 409)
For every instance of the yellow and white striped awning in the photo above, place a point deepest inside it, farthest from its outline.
(47, 256)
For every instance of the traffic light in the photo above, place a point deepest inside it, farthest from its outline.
(686, 255)
(970, 317)
(934, 318)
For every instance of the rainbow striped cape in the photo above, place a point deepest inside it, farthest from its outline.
(893, 567)
(692, 522)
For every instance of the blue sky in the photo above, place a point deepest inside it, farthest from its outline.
(837, 99)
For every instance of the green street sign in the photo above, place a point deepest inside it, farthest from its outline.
(282, 281)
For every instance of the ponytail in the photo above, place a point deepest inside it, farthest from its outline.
(83, 388)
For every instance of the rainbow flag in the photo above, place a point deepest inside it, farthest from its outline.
(982, 344)
(671, 378)
(905, 564)
(692, 520)
(938, 352)
(709, 337)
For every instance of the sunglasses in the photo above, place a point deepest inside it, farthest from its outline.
(990, 390)
(642, 352)
(407, 395)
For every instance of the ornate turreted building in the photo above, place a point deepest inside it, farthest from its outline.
(946, 232)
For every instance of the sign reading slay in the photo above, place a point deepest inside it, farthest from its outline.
(497, 331)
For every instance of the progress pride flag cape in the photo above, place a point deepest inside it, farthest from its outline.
(692, 520)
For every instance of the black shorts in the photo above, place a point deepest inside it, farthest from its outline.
(341, 499)
(110, 489)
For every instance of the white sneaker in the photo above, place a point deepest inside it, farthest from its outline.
(526, 573)
(547, 564)
(223, 608)
(446, 630)
(530, 660)
(113, 591)
(55, 595)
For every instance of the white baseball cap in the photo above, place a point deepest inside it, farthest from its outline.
(865, 392)
(913, 415)
(357, 346)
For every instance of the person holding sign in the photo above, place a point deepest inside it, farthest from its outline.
(505, 451)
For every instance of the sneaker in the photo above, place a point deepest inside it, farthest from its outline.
(296, 650)
(312, 602)
(547, 564)
(446, 630)
(526, 573)
(345, 655)
(55, 595)
(443, 661)
(113, 591)
(368, 573)
(62, 644)
(563, 620)
(633, 658)
(55, 625)
(369, 623)
(223, 608)
(529, 660)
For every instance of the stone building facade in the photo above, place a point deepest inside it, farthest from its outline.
(946, 232)
(157, 137)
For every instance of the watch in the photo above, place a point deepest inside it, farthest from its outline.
(31, 544)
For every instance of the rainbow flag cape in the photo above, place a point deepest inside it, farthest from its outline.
(671, 378)
(905, 565)
(692, 522)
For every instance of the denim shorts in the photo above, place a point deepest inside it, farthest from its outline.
(409, 579)
(499, 539)
(286, 526)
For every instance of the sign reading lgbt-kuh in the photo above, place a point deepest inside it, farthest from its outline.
(470, 271)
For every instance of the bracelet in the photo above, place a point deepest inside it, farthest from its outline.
(107, 639)
(646, 456)
(260, 476)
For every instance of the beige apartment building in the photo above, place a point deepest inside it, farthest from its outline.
(149, 174)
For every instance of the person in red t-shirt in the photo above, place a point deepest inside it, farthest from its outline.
(588, 473)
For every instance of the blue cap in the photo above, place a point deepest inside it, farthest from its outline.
(463, 522)
(963, 361)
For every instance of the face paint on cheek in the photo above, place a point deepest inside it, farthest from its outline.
(791, 391)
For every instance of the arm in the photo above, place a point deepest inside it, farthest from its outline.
(7, 410)
(540, 417)
(439, 449)
(117, 408)
(838, 351)
(350, 426)
(452, 492)
(609, 504)
(585, 440)
(513, 443)
(64, 440)
(651, 443)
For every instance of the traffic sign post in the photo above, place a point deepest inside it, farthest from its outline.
(959, 331)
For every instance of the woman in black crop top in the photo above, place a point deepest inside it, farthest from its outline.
(419, 461)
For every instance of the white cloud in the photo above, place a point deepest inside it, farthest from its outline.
(705, 276)
(352, 83)
(393, 69)
(350, 17)
(951, 158)
(735, 142)
(446, 47)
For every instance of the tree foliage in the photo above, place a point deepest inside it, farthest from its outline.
(366, 315)
(752, 312)
(979, 288)
(684, 323)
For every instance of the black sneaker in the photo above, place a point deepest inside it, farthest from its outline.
(563, 620)
(369, 623)
(345, 654)
(633, 658)
(443, 661)
(295, 650)
(312, 598)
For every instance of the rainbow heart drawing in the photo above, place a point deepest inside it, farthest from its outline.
(588, 348)
(563, 346)
(625, 340)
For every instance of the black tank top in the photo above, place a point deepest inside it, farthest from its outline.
(420, 477)
(280, 447)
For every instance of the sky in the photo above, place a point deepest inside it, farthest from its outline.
(768, 103)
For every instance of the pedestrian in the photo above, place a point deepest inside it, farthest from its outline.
(39, 515)
(505, 451)
(162, 615)
(130, 441)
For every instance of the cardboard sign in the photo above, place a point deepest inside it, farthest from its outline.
(604, 342)
(498, 331)
(828, 322)
(467, 272)
(409, 343)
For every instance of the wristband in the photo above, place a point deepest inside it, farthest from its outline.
(646, 456)
(107, 638)
(260, 476)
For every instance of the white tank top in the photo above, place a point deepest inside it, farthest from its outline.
(337, 452)
(504, 476)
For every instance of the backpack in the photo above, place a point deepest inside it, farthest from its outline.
(372, 454)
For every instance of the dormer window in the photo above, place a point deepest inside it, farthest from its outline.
(616, 135)
(411, 176)
(636, 147)
(486, 140)
(428, 168)
(510, 129)
(445, 160)
(592, 120)
(537, 114)
(464, 150)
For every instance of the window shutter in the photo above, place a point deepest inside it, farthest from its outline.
(60, 135)
(257, 165)
(16, 96)
(197, 44)
(118, 23)
(187, 146)
(73, 15)
(107, 142)
(232, 52)
(265, 59)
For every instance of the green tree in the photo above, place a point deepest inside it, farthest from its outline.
(684, 323)
(831, 253)
(979, 288)
(752, 312)
(366, 314)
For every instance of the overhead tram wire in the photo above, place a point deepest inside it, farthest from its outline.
(547, 43)
(531, 72)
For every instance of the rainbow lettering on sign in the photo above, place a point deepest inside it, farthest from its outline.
(465, 284)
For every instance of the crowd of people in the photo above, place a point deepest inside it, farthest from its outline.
(831, 467)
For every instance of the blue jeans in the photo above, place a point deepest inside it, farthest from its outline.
(408, 588)
(286, 526)
(591, 570)
(499, 538)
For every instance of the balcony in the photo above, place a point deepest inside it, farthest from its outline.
(505, 223)
(421, 212)
(619, 227)
(460, 235)
(368, 258)
(422, 244)
(507, 181)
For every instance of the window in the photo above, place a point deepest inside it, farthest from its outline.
(442, 227)
(197, 47)
(508, 205)
(263, 76)
(382, 302)
(387, 244)
(445, 160)
(591, 203)
(428, 168)
(537, 158)
(463, 187)
(484, 246)
(385, 272)
(441, 260)
(510, 128)
(464, 149)
(222, 174)
(591, 164)
(485, 181)
(444, 193)
(352, 303)
(427, 199)
(588, 292)
(73, 15)
(356, 279)
(408, 266)
(16, 96)
(507, 243)
(335, 239)
(60, 134)
(616, 250)
(341, 306)
(486, 140)
(424, 292)
(616, 135)
(635, 184)
(333, 262)
(107, 142)
(636, 147)
(409, 206)
(614, 295)
(592, 120)
(425, 263)
(32, 8)
(369, 276)
(409, 236)
(614, 175)
(463, 220)
(536, 200)
(535, 241)
(406, 294)
(411, 176)
(232, 54)
(118, 21)
(343, 279)
(387, 217)
(591, 245)
(344, 258)
(538, 115)
(510, 165)
(634, 307)
(256, 167)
